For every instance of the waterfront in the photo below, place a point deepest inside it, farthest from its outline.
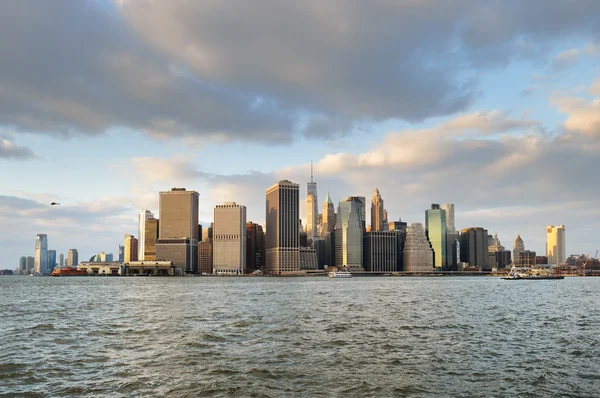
(456, 336)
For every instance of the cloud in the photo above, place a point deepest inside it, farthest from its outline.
(8, 150)
(583, 116)
(595, 88)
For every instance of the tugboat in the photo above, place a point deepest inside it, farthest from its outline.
(534, 274)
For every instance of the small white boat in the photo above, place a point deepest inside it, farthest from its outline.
(340, 274)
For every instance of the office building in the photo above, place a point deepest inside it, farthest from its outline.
(30, 264)
(51, 260)
(41, 254)
(150, 239)
(178, 209)
(435, 228)
(282, 234)
(541, 260)
(229, 239)
(418, 253)
(255, 247)
(451, 251)
(376, 212)
(494, 244)
(328, 218)
(143, 216)
(72, 258)
(308, 258)
(131, 248)
(474, 248)
(121, 253)
(23, 265)
(205, 263)
(312, 208)
(380, 251)
(449, 209)
(400, 228)
(555, 244)
(61, 260)
(527, 258)
(518, 247)
(349, 231)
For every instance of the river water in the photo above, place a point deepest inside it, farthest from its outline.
(274, 337)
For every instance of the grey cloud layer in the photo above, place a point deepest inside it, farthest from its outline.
(260, 70)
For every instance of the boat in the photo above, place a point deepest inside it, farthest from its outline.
(530, 274)
(69, 271)
(340, 274)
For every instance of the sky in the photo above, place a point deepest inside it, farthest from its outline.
(491, 105)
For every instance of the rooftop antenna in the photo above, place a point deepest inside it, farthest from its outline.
(311, 172)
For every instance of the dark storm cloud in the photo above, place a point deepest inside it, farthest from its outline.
(262, 71)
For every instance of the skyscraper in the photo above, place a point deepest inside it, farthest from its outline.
(474, 247)
(150, 238)
(555, 244)
(519, 246)
(142, 217)
(23, 265)
(121, 253)
(435, 228)
(328, 216)
(282, 235)
(380, 251)
(30, 262)
(376, 212)
(418, 253)
(51, 260)
(72, 258)
(41, 254)
(229, 239)
(131, 248)
(312, 208)
(61, 260)
(349, 231)
(178, 229)
(255, 247)
(449, 208)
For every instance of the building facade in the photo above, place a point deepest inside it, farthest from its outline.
(255, 247)
(518, 247)
(527, 258)
(51, 260)
(474, 248)
(435, 228)
(178, 210)
(328, 218)
(205, 257)
(61, 260)
(41, 254)
(449, 209)
(282, 240)
(555, 244)
(418, 253)
(229, 239)
(308, 259)
(377, 212)
(143, 216)
(72, 258)
(312, 208)
(131, 248)
(150, 239)
(349, 230)
(380, 251)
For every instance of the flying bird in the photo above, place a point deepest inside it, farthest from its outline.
(54, 203)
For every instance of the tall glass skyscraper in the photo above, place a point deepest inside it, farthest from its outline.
(51, 260)
(349, 233)
(41, 254)
(435, 228)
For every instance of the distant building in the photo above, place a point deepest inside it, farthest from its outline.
(450, 226)
(400, 228)
(503, 258)
(282, 234)
(418, 253)
(143, 216)
(555, 244)
(72, 258)
(312, 208)
(498, 256)
(131, 248)
(518, 247)
(23, 265)
(349, 231)
(229, 239)
(61, 260)
(320, 247)
(255, 247)
(178, 210)
(328, 218)
(541, 260)
(380, 251)
(205, 257)
(452, 251)
(377, 211)
(308, 258)
(150, 239)
(51, 260)
(41, 254)
(435, 228)
(527, 258)
(474, 248)
(30, 263)
(121, 253)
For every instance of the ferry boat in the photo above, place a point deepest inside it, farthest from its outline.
(69, 271)
(530, 274)
(340, 274)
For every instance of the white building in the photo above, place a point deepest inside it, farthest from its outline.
(41, 254)
(143, 216)
(418, 254)
(229, 239)
(555, 244)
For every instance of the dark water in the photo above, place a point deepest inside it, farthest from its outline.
(299, 337)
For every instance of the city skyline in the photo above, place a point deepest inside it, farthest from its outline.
(491, 106)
